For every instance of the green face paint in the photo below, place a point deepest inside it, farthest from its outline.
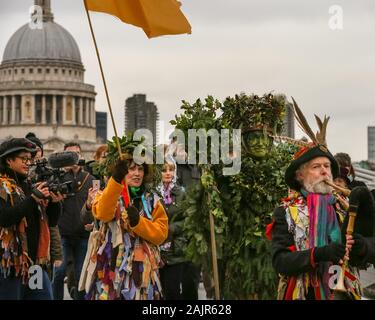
(257, 144)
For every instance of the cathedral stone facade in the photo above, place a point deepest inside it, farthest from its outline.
(42, 88)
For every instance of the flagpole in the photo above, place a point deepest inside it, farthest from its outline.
(104, 81)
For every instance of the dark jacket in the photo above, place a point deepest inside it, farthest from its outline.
(356, 183)
(172, 250)
(86, 215)
(284, 260)
(188, 175)
(70, 223)
(370, 250)
(294, 263)
(12, 215)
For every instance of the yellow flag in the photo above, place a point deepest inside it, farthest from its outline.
(155, 17)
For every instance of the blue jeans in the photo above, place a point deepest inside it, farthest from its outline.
(75, 248)
(13, 289)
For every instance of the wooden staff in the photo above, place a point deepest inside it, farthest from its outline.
(214, 257)
(214, 254)
(340, 286)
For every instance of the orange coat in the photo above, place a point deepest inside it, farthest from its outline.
(105, 204)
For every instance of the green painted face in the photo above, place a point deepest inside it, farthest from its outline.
(257, 144)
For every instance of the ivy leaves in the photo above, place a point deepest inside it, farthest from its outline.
(242, 204)
(198, 115)
(251, 111)
(127, 145)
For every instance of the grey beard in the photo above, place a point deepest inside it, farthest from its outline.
(319, 187)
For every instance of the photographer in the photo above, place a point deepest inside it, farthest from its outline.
(74, 235)
(25, 218)
(34, 176)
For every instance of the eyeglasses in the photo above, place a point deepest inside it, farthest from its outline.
(25, 160)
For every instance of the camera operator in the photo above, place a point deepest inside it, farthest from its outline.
(55, 243)
(24, 224)
(74, 235)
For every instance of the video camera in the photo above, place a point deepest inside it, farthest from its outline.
(51, 171)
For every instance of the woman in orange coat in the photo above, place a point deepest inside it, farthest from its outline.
(124, 261)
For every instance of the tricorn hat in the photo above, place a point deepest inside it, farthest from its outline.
(309, 150)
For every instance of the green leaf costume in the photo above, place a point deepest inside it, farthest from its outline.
(241, 204)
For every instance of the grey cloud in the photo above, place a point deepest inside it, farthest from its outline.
(236, 45)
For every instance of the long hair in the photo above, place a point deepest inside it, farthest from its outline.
(99, 152)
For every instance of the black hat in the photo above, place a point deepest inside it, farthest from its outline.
(305, 155)
(17, 144)
(33, 138)
(308, 150)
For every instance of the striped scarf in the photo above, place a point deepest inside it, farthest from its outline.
(324, 229)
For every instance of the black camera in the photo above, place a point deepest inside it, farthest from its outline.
(52, 172)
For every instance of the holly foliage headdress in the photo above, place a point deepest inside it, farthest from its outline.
(253, 112)
(128, 146)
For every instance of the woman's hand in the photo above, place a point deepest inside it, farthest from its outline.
(90, 198)
(89, 227)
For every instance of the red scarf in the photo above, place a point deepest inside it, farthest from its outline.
(43, 252)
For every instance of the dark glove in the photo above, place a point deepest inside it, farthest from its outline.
(120, 170)
(359, 248)
(133, 215)
(333, 252)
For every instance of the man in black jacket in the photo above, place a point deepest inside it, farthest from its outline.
(307, 237)
(309, 241)
(74, 234)
(25, 218)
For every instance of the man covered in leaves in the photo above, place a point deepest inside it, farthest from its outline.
(242, 203)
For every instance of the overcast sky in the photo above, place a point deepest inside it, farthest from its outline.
(236, 45)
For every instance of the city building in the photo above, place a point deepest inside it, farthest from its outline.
(101, 126)
(141, 114)
(371, 143)
(42, 87)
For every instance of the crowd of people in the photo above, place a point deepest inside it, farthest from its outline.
(61, 232)
(111, 237)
